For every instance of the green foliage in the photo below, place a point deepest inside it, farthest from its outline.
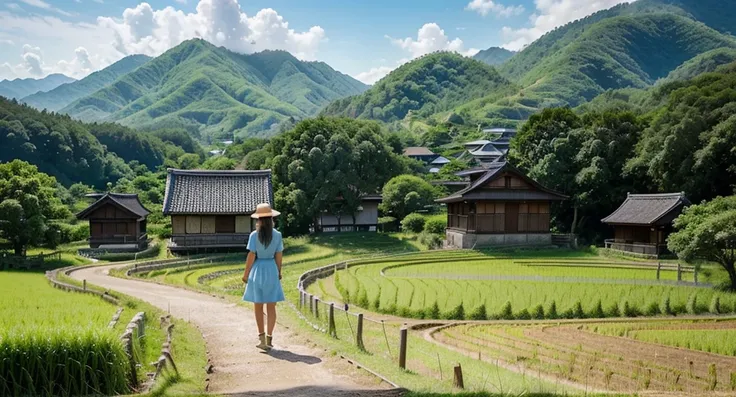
(405, 194)
(61, 96)
(413, 223)
(692, 304)
(524, 315)
(704, 231)
(538, 313)
(216, 93)
(706, 62)
(578, 310)
(435, 225)
(430, 240)
(552, 311)
(150, 252)
(598, 311)
(433, 311)
(506, 312)
(479, 313)
(715, 305)
(665, 307)
(27, 201)
(494, 56)
(433, 83)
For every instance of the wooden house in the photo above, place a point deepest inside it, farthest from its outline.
(422, 154)
(643, 222)
(366, 219)
(211, 209)
(116, 220)
(500, 206)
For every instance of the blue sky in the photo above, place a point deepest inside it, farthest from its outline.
(363, 39)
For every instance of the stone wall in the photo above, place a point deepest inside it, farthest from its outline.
(467, 240)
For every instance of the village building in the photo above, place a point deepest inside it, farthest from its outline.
(211, 209)
(643, 222)
(499, 206)
(116, 221)
(422, 154)
(365, 220)
(484, 151)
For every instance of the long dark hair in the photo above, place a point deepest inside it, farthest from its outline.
(265, 230)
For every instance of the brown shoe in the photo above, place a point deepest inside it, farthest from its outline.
(262, 345)
(269, 341)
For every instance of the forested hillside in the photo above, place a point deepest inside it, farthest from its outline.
(72, 151)
(65, 94)
(433, 83)
(20, 88)
(211, 91)
(494, 56)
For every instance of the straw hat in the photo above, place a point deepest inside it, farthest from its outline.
(264, 211)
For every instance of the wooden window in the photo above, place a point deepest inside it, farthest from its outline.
(178, 224)
(194, 224)
(242, 224)
(208, 225)
(225, 224)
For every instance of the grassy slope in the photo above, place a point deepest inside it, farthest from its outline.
(65, 94)
(202, 87)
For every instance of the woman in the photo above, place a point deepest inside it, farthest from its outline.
(263, 271)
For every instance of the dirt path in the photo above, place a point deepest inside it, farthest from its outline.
(229, 330)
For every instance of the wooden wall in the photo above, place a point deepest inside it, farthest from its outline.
(210, 224)
(500, 217)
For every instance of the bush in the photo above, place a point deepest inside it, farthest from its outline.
(652, 309)
(479, 313)
(613, 311)
(149, 252)
(538, 313)
(436, 225)
(524, 315)
(413, 223)
(598, 311)
(387, 224)
(431, 241)
(458, 313)
(160, 231)
(506, 312)
(434, 311)
(628, 310)
(578, 310)
(552, 311)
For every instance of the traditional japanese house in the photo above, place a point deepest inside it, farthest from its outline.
(644, 221)
(116, 220)
(420, 153)
(211, 209)
(499, 206)
(366, 218)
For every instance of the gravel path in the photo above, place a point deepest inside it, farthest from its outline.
(290, 369)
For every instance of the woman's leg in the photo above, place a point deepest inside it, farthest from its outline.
(258, 310)
(271, 313)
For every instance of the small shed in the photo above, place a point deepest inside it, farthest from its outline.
(644, 221)
(116, 219)
(499, 206)
(211, 209)
(421, 154)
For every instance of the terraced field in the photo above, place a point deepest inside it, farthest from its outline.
(584, 355)
(525, 285)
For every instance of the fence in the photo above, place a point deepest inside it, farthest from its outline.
(27, 262)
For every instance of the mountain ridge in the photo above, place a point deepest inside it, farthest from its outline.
(19, 88)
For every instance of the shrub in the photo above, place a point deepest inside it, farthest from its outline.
(413, 223)
(434, 311)
(149, 252)
(524, 315)
(613, 311)
(692, 304)
(552, 311)
(387, 224)
(429, 240)
(458, 313)
(598, 311)
(160, 231)
(538, 313)
(568, 314)
(363, 299)
(628, 310)
(506, 312)
(715, 305)
(578, 310)
(436, 225)
(479, 313)
(652, 309)
(665, 307)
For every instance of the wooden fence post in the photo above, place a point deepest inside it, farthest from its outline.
(458, 380)
(359, 333)
(402, 347)
(695, 275)
(84, 284)
(331, 321)
(679, 272)
(659, 268)
(311, 303)
(316, 307)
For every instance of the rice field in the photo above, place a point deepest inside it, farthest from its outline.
(525, 285)
(57, 343)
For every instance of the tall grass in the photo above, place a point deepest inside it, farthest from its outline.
(59, 362)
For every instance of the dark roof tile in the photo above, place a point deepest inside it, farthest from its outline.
(646, 209)
(128, 201)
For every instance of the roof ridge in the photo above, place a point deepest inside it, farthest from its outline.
(656, 195)
(176, 171)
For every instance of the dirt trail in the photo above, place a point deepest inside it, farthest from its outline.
(229, 330)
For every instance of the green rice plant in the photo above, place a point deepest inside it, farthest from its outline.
(712, 377)
(578, 310)
(458, 313)
(715, 305)
(598, 310)
(552, 311)
(43, 362)
(652, 309)
(647, 378)
(433, 312)
(538, 313)
(479, 313)
(506, 313)
(692, 304)
(665, 306)
(524, 315)
(733, 381)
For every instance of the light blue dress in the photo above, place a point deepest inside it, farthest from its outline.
(264, 285)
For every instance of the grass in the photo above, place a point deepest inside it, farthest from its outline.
(553, 284)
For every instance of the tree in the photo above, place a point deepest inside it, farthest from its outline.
(708, 231)
(189, 161)
(405, 194)
(27, 200)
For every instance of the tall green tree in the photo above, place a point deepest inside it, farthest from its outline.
(27, 201)
(708, 231)
(405, 194)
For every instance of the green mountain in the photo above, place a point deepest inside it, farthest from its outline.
(494, 55)
(65, 94)
(211, 91)
(703, 63)
(20, 88)
(433, 83)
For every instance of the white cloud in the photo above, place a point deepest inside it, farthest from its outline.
(148, 31)
(32, 60)
(34, 65)
(181, 1)
(483, 7)
(430, 38)
(14, 6)
(7, 41)
(43, 5)
(550, 14)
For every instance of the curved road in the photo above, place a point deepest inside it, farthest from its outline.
(290, 369)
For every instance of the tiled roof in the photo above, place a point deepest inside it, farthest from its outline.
(216, 192)
(648, 209)
(475, 191)
(440, 160)
(417, 151)
(126, 201)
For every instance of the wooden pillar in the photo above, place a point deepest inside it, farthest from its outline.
(311, 303)
(84, 284)
(402, 347)
(659, 269)
(332, 330)
(359, 333)
(458, 380)
(316, 307)
(679, 272)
